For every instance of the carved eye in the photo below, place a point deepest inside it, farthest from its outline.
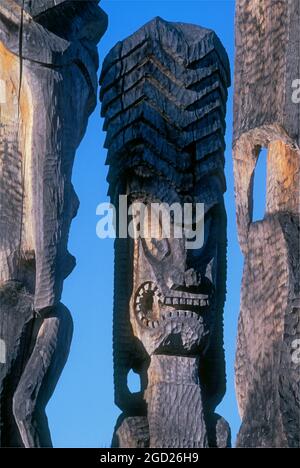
(157, 248)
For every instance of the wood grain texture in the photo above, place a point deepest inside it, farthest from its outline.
(267, 376)
(48, 68)
(267, 58)
(163, 93)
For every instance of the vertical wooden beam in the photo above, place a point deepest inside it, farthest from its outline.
(266, 115)
(48, 89)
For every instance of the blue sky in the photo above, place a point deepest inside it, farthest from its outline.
(82, 412)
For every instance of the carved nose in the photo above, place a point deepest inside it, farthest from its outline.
(191, 277)
(176, 279)
(179, 279)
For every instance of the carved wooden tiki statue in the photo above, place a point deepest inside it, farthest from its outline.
(48, 83)
(164, 93)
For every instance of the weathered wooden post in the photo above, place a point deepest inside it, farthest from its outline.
(48, 85)
(267, 115)
(164, 92)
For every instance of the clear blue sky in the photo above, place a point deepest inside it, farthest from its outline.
(82, 412)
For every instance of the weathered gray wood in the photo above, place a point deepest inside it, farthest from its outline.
(48, 66)
(163, 95)
(267, 375)
(267, 58)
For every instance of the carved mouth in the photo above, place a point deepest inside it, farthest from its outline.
(152, 307)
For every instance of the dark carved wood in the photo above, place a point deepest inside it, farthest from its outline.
(48, 84)
(163, 93)
(267, 374)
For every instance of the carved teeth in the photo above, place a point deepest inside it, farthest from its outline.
(185, 301)
(204, 303)
(178, 303)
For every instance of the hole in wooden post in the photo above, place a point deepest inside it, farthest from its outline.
(260, 186)
(134, 382)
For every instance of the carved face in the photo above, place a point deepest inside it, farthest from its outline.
(171, 307)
